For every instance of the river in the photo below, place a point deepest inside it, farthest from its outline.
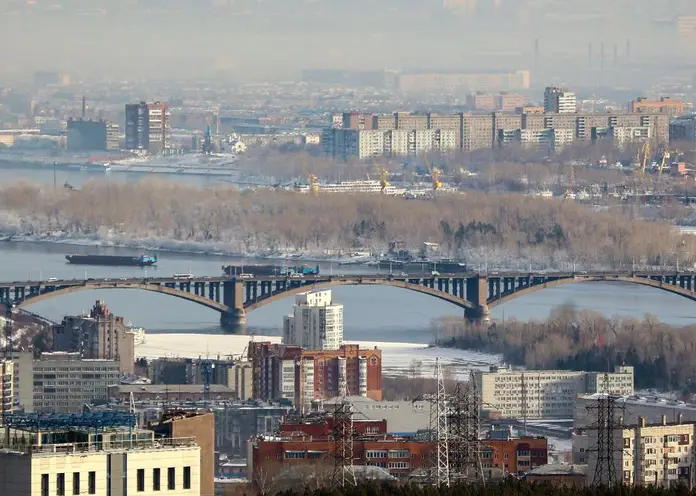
(372, 314)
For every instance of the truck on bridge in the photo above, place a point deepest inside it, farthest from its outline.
(269, 270)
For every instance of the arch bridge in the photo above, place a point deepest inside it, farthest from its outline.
(476, 293)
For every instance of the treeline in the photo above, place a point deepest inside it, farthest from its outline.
(508, 488)
(519, 227)
(585, 340)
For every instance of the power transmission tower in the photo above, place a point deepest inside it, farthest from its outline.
(465, 426)
(343, 433)
(605, 411)
(438, 469)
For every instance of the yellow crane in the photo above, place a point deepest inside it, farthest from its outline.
(434, 173)
(383, 179)
(645, 154)
(311, 178)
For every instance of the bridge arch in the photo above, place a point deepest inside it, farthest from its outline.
(154, 288)
(641, 281)
(455, 300)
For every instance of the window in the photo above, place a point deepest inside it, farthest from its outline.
(92, 483)
(187, 477)
(155, 479)
(141, 480)
(44, 484)
(60, 484)
(76, 483)
(171, 478)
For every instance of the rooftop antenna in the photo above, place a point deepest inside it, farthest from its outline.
(84, 107)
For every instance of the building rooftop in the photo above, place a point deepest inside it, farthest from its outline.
(171, 388)
(558, 469)
(61, 449)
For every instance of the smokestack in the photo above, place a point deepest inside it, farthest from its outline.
(680, 418)
(616, 55)
(664, 419)
(641, 421)
(601, 56)
(628, 49)
(589, 54)
(84, 107)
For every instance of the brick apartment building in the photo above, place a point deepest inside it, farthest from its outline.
(286, 372)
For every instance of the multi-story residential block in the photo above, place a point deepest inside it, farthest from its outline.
(505, 102)
(362, 144)
(23, 379)
(559, 101)
(7, 395)
(356, 120)
(316, 322)
(683, 129)
(477, 132)
(664, 105)
(507, 393)
(99, 335)
(515, 455)
(110, 462)
(147, 127)
(286, 372)
(659, 454)
(64, 382)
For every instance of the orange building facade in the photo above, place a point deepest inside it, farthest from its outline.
(515, 456)
(285, 372)
(664, 105)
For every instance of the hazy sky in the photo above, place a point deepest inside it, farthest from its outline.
(250, 38)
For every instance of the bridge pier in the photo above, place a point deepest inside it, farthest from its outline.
(477, 316)
(234, 320)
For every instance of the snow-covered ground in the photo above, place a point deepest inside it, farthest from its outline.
(397, 358)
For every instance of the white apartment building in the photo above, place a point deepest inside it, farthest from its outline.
(63, 382)
(7, 396)
(141, 466)
(559, 101)
(366, 143)
(659, 454)
(316, 322)
(543, 394)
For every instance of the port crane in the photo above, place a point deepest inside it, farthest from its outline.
(311, 178)
(645, 154)
(434, 174)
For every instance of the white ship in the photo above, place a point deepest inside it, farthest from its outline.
(139, 332)
(360, 186)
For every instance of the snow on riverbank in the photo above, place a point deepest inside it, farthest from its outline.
(397, 358)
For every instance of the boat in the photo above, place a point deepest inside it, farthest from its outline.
(141, 261)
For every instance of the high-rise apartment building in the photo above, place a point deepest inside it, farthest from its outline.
(99, 335)
(147, 127)
(539, 394)
(316, 322)
(286, 372)
(559, 101)
(7, 397)
(659, 454)
(64, 382)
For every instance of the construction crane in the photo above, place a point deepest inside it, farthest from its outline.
(434, 173)
(645, 154)
(311, 178)
(383, 182)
